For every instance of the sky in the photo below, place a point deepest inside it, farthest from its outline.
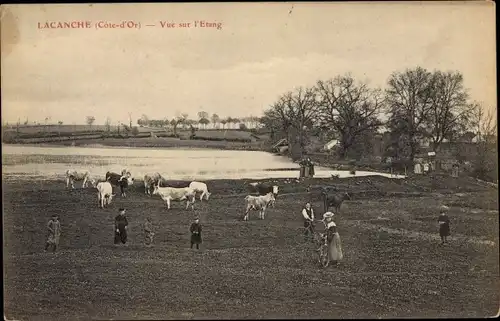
(262, 51)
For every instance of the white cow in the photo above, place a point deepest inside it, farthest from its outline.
(104, 193)
(202, 188)
(258, 203)
(151, 180)
(73, 175)
(169, 194)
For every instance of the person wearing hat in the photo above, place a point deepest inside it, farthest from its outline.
(121, 224)
(308, 216)
(444, 224)
(195, 230)
(334, 244)
(54, 232)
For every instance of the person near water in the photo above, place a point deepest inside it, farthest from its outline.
(121, 225)
(444, 224)
(311, 167)
(195, 230)
(334, 243)
(148, 232)
(308, 215)
(54, 232)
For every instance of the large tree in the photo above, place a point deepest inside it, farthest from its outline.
(349, 109)
(409, 102)
(449, 112)
(294, 114)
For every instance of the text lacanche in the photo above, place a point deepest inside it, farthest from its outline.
(128, 24)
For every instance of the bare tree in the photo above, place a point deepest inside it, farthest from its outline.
(349, 109)
(185, 117)
(409, 102)
(202, 114)
(59, 123)
(223, 122)
(485, 126)
(90, 120)
(215, 119)
(449, 111)
(130, 119)
(107, 124)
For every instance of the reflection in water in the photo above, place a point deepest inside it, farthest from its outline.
(52, 162)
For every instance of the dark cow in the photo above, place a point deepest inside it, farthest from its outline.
(333, 200)
(123, 181)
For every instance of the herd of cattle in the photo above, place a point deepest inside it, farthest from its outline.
(155, 184)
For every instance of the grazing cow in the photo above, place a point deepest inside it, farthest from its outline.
(123, 181)
(169, 194)
(72, 175)
(150, 181)
(264, 189)
(202, 188)
(104, 193)
(334, 200)
(258, 203)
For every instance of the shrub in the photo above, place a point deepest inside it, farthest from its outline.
(239, 140)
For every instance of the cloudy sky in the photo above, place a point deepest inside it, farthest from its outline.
(261, 51)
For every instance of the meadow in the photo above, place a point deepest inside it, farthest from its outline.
(394, 265)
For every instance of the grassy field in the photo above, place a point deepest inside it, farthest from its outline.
(219, 139)
(162, 142)
(394, 265)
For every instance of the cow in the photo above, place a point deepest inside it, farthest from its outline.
(84, 176)
(123, 180)
(169, 194)
(150, 180)
(202, 188)
(258, 203)
(104, 193)
(264, 189)
(333, 200)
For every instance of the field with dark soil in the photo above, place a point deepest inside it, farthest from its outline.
(394, 264)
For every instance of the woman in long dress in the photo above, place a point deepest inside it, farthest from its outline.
(335, 254)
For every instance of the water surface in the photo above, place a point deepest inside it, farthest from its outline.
(172, 163)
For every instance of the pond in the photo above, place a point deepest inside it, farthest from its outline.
(172, 163)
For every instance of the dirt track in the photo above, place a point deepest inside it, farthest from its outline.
(393, 267)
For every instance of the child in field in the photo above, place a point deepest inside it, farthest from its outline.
(54, 229)
(195, 230)
(444, 224)
(148, 232)
(121, 224)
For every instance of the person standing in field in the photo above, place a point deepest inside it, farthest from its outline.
(308, 215)
(54, 232)
(148, 232)
(195, 230)
(121, 225)
(444, 224)
(334, 244)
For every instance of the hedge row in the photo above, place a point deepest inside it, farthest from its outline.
(238, 140)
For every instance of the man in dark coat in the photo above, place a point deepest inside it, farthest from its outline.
(195, 230)
(121, 224)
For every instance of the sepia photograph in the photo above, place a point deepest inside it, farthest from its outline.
(305, 160)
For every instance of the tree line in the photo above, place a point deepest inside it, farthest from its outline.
(204, 119)
(418, 104)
